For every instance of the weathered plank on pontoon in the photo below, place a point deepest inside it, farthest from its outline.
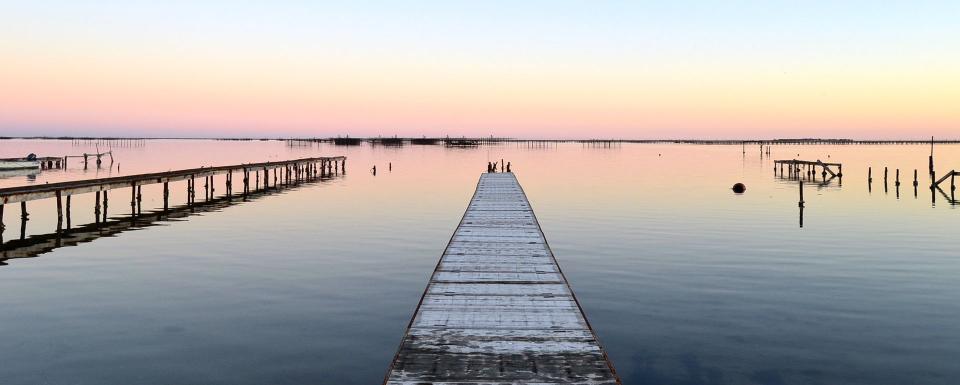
(498, 308)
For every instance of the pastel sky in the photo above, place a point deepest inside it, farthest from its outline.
(572, 69)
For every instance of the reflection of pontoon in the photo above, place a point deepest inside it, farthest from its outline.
(10, 173)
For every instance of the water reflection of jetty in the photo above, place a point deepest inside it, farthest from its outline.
(283, 173)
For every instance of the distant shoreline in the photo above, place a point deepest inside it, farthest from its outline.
(491, 140)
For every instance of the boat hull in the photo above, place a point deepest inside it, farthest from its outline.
(6, 165)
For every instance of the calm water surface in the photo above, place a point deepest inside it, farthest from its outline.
(684, 281)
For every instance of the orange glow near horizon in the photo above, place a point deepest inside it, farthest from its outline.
(95, 86)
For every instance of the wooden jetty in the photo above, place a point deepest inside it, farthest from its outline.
(796, 168)
(38, 244)
(498, 309)
(282, 172)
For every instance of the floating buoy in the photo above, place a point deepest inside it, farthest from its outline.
(739, 188)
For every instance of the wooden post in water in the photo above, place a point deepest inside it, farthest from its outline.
(246, 183)
(133, 198)
(105, 205)
(24, 217)
(166, 195)
(897, 182)
(869, 174)
(139, 198)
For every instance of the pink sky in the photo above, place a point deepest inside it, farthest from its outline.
(93, 72)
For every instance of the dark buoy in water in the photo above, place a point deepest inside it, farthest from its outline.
(739, 188)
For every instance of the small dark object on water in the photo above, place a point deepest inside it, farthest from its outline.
(739, 188)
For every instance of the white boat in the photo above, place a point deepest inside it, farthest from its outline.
(18, 164)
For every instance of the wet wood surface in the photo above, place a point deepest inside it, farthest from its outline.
(498, 309)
